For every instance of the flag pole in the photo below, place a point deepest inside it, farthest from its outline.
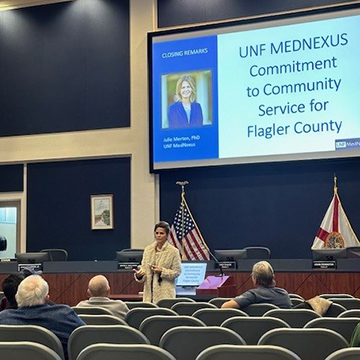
(182, 184)
(335, 184)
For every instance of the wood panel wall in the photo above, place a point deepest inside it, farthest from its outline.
(72, 288)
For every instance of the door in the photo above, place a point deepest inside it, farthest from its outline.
(10, 227)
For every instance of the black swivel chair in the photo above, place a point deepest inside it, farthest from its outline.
(257, 252)
(56, 254)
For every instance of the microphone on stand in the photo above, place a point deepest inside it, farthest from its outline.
(217, 262)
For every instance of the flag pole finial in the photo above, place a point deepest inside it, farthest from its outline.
(335, 184)
(182, 184)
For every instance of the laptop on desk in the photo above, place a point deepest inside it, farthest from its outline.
(192, 275)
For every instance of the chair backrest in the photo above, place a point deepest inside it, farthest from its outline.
(328, 296)
(309, 344)
(350, 313)
(348, 303)
(91, 310)
(26, 350)
(296, 301)
(84, 336)
(296, 318)
(188, 308)
(186, 342)
(259, 309)
(296, 296)
(140, 304)
(154, 327)
(345, 354)
(248, 352)
(343, 326)
(334, 310)
(218, 301)
(101, 320)
(124, 352)
(136, 316)
(251, 328)
(56, 254)
(32, 333)
(168, 303)
(215, 317)
(257, 252)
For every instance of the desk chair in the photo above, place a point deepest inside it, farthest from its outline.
(101, 320)
(84, 336)
(21, 350)
(251, 328)
(32, 333)
(168, 303)
(343, 326)
(215, 317)
(345, 354)
(154, 327)
(248, 352)
(348, 303)
(91, 310)
(308, 344)
(188, 308)
(56, 254)
(328, 296)
(187, 342)
(136, 316)
(139, 304)
(296, 318)
(259, 309)
(124, 352)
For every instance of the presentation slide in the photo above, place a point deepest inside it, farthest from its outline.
(253, 94)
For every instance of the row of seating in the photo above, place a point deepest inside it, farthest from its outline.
(346, 302)
(33, 351)
(250, 328)
(183, 343)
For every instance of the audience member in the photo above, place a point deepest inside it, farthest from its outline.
(99, 290)
(265, 290)
(32, 297)
(9, 287)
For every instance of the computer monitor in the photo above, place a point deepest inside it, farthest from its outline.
(329, 254)
(32, 257)
(129, 255)
(230, 255)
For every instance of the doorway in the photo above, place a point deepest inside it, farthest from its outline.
(10, 227)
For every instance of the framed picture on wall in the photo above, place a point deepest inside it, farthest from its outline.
(102, 212)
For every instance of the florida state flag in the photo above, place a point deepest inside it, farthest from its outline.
(335, 230)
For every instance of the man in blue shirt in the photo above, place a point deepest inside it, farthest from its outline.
(265, 290)
(32, 296)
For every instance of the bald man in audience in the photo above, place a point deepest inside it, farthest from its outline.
(99, 290)
(32, 297)
(265, 290)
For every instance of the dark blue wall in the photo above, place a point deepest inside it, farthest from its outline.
(279, 205)
(179, 12)
(11, 178)
(65, 67)
(58, 207)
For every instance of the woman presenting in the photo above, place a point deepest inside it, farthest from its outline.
(185, 111)
(160, 266)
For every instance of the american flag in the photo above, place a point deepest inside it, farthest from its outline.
(185, 235)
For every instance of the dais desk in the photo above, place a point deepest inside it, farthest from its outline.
(68, 281)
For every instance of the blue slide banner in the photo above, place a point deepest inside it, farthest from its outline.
(171, 59)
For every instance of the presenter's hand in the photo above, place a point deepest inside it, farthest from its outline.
(139, 273)
(156, 269)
